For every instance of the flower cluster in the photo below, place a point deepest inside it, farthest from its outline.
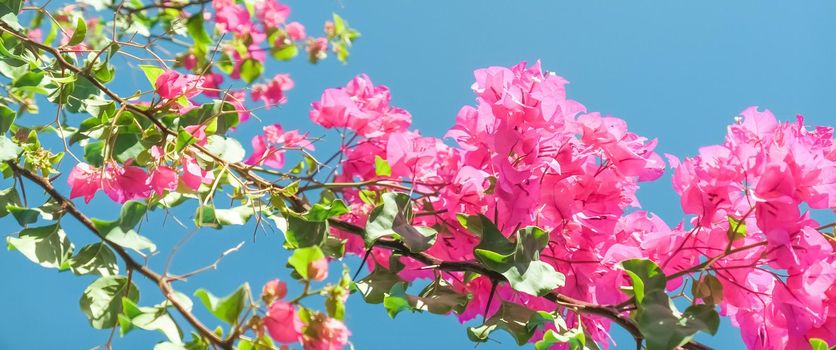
(764, 177)
(529, 156)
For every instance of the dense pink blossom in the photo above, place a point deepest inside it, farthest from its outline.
(361, 107)
(528, 155)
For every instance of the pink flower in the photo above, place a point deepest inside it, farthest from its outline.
(282, 323)
(84, 180)
(325, 333)
(189, 60)
(193, 175)
(212, 85)
(236, 99)
(271, 12)
(231, 17)
(269, 148)
(198, 132)
(295, 31)
(272, 93)
(122, 184)
(361, 107)
(317, 48)
(37, 35)
(173, 85)
(318, 269)
(272, 290)
(163, 179)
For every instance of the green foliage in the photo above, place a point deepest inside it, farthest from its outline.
(437, 298)
(122, 232)
(8, 149)
(47, 246)
(228, 308)
(148, 318)
(511, 318)
(79, 33)
(101, 301)
(518, 261)
(381, 167)
(737, 229)
(375, 286)
(394, 218)
(301, 258)
(96, 258)
(659, 321)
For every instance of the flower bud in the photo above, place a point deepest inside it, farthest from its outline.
(318, 269)
(273, 290)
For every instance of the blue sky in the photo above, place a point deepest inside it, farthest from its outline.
(675, 70)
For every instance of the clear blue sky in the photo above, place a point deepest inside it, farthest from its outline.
(675, 70)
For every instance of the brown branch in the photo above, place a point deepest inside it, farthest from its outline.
(131, 263)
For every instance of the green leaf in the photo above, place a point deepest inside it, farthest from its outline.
(184, 139)
(518, 261)
(645, 275)
(709, 289)
(303, 257)
(96, 258)
(702, 317)
(393, 218)
(511, 318)
(101, 301)
(228, 308)
(301, 232)
(664, 328)
(148, 318)
(121, 231)
(262, 343)
(8, 149)
(234, 216)
(285, 52)
(47, 246)
(151, 73)
(205, 217)
(79, 33)
(196, 30)
(381, 167)
(7, 118)
(375, 286)
(94, 153)
(10, 7)
(24, 216)
(737, 228)
(574, 337)
(396, 300)
(8, 197)
(818, 344)
(227, 148)
(437, 298)
(323, 211)
(250, 70)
